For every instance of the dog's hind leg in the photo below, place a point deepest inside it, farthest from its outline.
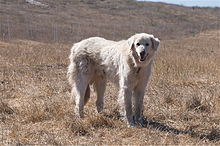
(100, 85)
(81, 91)
(87, 95)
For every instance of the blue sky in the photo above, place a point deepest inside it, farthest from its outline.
(190, 3)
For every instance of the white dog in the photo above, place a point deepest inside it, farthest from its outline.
(127, 63)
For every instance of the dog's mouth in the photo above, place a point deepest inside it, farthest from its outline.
(143, 57)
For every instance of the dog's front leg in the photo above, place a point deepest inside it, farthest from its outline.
(138, 95)
(138, 105)
(125, 102)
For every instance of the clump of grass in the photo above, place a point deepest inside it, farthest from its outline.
(5, 108)
(196, 104)
(101, 122)
(79, 128)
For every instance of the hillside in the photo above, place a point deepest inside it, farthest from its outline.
(70, 21)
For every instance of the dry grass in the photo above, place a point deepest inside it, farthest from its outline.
(182, 105)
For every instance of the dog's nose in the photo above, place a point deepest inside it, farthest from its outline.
(142, 53)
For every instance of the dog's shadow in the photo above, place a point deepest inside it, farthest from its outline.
(214, 135)
(161, 127)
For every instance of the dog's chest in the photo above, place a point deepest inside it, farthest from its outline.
(135, 76)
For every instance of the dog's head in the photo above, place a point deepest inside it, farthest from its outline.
(143, 47)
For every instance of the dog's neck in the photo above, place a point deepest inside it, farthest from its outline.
(137, 70)
(135, 67)
(138, 67)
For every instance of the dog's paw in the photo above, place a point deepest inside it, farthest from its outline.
(130, 125)
(139, 122)
(79, 114)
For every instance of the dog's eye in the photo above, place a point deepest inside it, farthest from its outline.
(138, 44)
(147, 44)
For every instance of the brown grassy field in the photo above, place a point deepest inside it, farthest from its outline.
(182, 105)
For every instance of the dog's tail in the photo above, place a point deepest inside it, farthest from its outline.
(71, 70)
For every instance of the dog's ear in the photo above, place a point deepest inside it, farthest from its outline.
(131, 42)
(155, 42)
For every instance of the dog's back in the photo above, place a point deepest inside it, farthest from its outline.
(101, 54)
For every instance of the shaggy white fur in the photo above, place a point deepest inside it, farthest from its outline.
(127, 63)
